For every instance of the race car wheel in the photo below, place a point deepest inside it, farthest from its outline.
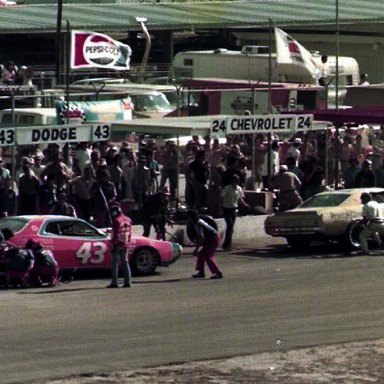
(298, 242)
(350, 238)
(144, 261)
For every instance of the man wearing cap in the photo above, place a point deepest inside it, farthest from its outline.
(294, 150)
(373, 222)
(288, 185)
(120, 239)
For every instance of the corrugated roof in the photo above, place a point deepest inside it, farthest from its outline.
(186, 15)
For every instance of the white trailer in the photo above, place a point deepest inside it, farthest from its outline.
(251, 64)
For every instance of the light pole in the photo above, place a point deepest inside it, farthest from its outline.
(58, 40)
(141, 21)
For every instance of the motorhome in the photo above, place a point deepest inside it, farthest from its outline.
(228, 96)
(252, 64)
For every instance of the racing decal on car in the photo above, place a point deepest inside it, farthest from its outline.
(92, 253)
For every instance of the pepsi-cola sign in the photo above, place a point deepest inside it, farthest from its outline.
(96, 50)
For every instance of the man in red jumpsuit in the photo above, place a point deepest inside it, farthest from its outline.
(121, 236)
(207, 241)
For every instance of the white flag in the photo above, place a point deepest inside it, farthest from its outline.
(96, 50)
(289, 51)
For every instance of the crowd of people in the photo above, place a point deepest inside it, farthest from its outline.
(11, 74)
(82, 181)
(93, 180)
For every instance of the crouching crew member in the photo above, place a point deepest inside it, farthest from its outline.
(208, 238)
(121, 237)
(289, 186)
(45, 269)
(20, 263)
(373, 222)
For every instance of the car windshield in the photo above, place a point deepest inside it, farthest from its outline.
(155, 102)
(325, 200)
(13, 223)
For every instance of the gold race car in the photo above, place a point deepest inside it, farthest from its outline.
(326, 216)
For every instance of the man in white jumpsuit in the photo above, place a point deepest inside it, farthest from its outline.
(373, 222)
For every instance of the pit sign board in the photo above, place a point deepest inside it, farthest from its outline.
(236, 125)
(45, 134)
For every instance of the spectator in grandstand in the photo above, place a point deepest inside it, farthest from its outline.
(350, 173)
(128, 164)
(292, 167)
(62, 207)
(198, 171)
(365, 177)
(4, 172)
(230, 171)
(274, 163)
(379, 176)
(47, 194)
(29, 188)
(38, 167)
(9, 73)
(116, 173)
(169, 170)
(7, 199)
(59, 169)
(82, 156)
(313, 177)
(103, 192)
(81, 192)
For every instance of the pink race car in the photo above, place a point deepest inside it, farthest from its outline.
(77, 244)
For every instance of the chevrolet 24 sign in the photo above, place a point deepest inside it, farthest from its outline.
(236, 125)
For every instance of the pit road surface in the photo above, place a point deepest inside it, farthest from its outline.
(270, 300)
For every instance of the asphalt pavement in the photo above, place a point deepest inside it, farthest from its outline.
(271, 299)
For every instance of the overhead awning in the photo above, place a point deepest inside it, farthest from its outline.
(168, 126)
(355, 115)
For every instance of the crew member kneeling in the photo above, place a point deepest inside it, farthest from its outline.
(373, 222)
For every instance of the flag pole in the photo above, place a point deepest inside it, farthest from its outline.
(58, 40)
(269, 153)
(68, 64)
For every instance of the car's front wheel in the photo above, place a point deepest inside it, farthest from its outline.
(144, 261)
(350, 238)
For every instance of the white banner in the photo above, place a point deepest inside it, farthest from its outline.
(53, 134)
(236, 125)
(289, 51)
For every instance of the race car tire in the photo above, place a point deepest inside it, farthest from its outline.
(299, 242)
(144, 261)
(191, 233)
(350, 238)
